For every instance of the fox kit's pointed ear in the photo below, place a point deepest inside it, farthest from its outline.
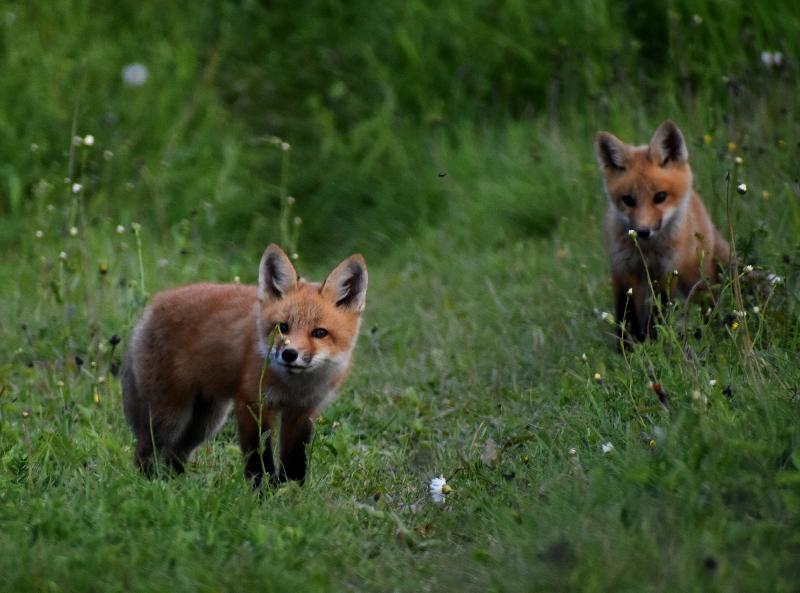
(668, 144)
(610, 152)
(276, 274)
(347, 284)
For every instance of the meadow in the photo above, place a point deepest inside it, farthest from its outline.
(148, 145)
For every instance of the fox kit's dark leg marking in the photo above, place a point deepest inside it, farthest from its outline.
(296, 430)
(250, 437)
(628, 308)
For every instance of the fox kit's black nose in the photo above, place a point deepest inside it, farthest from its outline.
(289, 355)
(644, 233)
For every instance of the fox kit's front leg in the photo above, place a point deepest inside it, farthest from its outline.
(296, 431)
(255, 439)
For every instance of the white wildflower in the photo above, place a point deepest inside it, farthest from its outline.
(607, 447)
(62, 256)
(120, 229)
(135, 74)
(697, 20)
(88, 140)
(76, 188)
(738, 160)
(712, 382)
(572, 451)
(756, 309)
(631, 233)
(629, 292)
(772, 59)
(73, 231)
(748, 268)
(438, 488)
(774, 279)
(741, 188)
(285, 146)
(39, 234)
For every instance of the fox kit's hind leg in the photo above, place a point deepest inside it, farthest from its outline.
(296, 430)
(255, 426)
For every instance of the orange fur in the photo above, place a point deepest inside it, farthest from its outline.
(202, 349)
(649, 190)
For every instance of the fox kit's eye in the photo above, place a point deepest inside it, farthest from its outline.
(660, 197)
(283, 328)
(319, 333)
(629, 201)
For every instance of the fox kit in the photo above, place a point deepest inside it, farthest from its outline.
(653, 208)
(199, 351)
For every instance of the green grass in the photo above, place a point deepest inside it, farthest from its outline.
(483, 355)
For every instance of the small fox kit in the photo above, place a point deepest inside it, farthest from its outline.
(650, 192)
(199, 351)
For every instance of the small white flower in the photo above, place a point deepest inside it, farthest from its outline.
(748, 268)
(631, 233)
(34, 147)
(572, 451)
(674, 272)
(297, 221)
(295, 256)
(237, 280)
(73, 231)
(76, 188)
(741, 188)
(285, 146)
(597, 377)
(697, 19)
(605, 316)
(629, 292)
(756, 309)
(290, 200)
(437, 489)
(607, 447)
(774, 279)
(738, 160)
(712, 382)
(120, 229)
(584, 358)
(88, 140)
(77, 141)
(135, 74)
(163, 262)
(62, 256)
(772, 59)
(39, 234)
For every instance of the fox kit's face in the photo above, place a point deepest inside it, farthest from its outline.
(646, 185)
(308, 330)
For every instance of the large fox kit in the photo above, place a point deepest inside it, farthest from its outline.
(282, 347)
(659, 235)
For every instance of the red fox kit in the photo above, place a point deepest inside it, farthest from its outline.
(199, 351)
(650, 196)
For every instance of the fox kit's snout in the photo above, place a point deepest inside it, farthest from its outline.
(281, 347)
(656, 225)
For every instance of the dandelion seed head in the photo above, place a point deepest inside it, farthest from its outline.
(135, 74)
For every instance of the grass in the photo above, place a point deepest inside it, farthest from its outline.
(483, 355)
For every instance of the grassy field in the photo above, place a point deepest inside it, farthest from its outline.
(452, 146)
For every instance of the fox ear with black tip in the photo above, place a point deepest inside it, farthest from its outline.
(610, 152)
(276, 275)
(346, 285)
(668, 145)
